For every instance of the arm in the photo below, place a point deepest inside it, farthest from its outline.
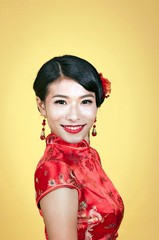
(59, 209)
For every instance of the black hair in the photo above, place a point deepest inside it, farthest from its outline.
(72, 67)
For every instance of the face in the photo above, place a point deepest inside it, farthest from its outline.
(70, 110)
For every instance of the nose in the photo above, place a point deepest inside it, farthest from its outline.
(73, 114)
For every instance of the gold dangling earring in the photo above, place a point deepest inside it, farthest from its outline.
(42, 136)
(94, 132)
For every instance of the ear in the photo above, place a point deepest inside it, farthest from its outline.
(41, 106)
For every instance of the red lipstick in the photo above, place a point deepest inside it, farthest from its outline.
(73, 128)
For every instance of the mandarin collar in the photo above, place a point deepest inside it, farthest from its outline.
(54, 139)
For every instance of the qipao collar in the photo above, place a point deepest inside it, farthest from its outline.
(54, 139)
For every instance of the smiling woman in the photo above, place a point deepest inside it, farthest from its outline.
(70, 110)
(73, 193)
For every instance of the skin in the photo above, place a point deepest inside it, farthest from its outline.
(59, 209)
(69, 105)
(70, 111)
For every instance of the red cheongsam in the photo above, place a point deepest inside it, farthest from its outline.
(77, 166)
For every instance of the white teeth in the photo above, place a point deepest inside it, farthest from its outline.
(74, 128)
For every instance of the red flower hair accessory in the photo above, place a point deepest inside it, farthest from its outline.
(106, 86)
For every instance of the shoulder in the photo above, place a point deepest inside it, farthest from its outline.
(50, 175)
(95, 155)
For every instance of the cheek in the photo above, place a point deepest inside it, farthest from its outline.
(90, 113)
(55, 112)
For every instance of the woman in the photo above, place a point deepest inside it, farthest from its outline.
(74, 195)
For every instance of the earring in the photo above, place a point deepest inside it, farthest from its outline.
(42, 136)
(94, 132)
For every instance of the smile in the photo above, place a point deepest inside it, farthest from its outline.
(73, 128)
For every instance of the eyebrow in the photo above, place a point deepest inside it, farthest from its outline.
(64, 96)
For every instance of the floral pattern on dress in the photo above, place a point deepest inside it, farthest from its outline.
(100, 208)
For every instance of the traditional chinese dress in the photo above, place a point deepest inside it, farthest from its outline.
(78, 166)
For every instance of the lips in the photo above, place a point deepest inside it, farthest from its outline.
(73, 128)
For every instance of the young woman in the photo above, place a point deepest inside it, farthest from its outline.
(74, 195)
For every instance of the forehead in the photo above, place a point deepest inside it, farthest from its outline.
(67, 86)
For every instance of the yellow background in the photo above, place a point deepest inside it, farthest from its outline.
(119, 37)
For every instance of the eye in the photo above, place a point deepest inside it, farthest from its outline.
(86, 101)
(62, 102)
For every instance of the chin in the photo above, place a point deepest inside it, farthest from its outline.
(73, 139)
